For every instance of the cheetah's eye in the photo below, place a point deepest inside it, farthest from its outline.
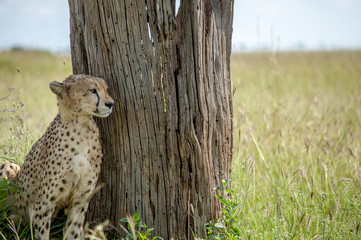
(93, 90)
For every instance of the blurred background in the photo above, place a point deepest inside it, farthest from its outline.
(258, 25)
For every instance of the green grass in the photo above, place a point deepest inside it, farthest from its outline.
(303, 111)
(27, 105)
(297, 137)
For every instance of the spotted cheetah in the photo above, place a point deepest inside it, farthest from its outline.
(62, 167)
(9, 170)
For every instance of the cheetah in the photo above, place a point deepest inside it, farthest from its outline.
(9, 170)
(61, 170)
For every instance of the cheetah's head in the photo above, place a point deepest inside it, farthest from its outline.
(83, 95)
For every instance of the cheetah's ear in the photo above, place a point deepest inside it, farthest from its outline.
(60, 89)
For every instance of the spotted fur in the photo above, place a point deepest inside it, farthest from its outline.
(9, 170)
(62, 167)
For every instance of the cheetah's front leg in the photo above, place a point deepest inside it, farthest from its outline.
(42, 219)
(75, 220)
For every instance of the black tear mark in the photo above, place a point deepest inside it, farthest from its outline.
(96, 92)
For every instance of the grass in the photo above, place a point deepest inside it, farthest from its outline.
(297, 128)
(27, 106)
(302, 110)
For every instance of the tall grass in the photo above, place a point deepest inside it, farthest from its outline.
(27, 105)
(297, 129)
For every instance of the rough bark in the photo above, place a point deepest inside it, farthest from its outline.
(168, 142)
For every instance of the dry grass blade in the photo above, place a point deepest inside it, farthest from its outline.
(316, 237)
(132, 226)
(259, 150)
(2, 235)
(344, 179)
(98, 232)
(13, 228)
(308, 223)
(124, 228)
(31, 216)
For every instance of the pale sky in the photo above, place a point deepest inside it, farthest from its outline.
(258, 24)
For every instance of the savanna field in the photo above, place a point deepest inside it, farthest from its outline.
(297, 137)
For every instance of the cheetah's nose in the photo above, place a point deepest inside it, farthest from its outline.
(109, 104)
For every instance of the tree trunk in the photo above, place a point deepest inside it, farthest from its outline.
(168, 142)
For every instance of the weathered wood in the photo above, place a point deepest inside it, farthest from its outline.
(168, 142)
